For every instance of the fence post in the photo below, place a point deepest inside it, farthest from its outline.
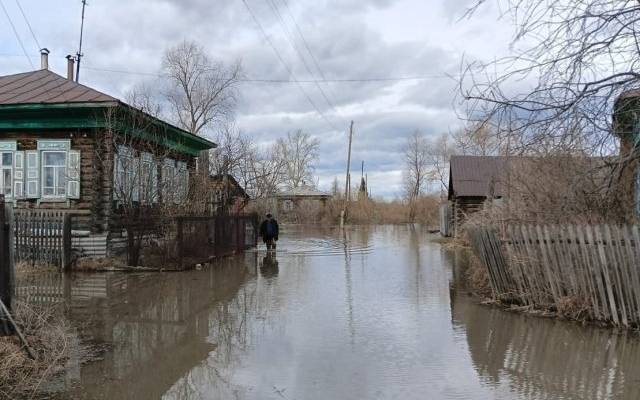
(66, 242)
(7, 273)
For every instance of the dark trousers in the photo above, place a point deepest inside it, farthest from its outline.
(271, 243)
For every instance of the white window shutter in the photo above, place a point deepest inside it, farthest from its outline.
(32, 175)
(117, 184)
(135, 178)
(168, 174)
(154, 182)
(18, 174)
(73, 174)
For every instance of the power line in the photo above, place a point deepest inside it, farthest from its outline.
(304, 41)
(291, 41)
(28, 24)
(259, 80)
(286, 66)
(15, 32)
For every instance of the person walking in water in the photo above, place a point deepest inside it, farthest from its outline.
(269, 232)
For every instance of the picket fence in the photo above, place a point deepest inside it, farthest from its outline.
(593, 268)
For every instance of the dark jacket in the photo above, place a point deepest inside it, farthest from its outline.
(274, 230)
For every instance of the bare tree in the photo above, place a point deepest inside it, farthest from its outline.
(202, 92)
(417, 172)
(576, 57)
(439, 153)
(145, 188)
(477, 140)
(417, 165)
(299, 152)
(145, 98)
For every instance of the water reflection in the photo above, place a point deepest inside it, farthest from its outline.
(269, 267)
(364, 313)
(536, 358)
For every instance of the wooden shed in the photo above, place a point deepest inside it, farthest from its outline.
(472, 180)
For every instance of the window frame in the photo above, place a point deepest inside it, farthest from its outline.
(56, 184)
(10, 168)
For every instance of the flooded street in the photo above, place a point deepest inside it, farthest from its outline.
(371, 314)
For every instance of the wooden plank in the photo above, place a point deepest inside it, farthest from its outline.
(616, 276)
(606, 274)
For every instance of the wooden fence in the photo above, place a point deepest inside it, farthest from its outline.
(43, 236)
(199, 239)
(593, 269)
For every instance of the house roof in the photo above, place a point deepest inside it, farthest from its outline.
(44, 86)
(45, 100)
(472, 176)
(233, 181)
(303, 191)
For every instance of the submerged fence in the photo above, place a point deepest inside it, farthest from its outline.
(199, 239)
(594, 270)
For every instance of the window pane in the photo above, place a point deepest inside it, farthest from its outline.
(54, 158)
(7, 159)
(61, 183)
(48, 177)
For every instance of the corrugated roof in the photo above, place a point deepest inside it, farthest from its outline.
(473, 175)
(44, 86)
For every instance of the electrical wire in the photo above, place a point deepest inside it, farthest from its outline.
(28, 24)
(15, 32)
(291, 41)
(286, 66)
(258, 80)
(304, 41)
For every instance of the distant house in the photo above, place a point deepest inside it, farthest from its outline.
(298, 204)
(472, 180)
(65, 146)
(229, 196)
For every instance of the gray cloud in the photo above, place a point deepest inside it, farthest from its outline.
(349, 39)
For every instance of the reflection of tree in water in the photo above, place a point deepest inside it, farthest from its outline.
(547, 359)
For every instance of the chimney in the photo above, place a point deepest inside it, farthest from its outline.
(70, 65)
(44, 58)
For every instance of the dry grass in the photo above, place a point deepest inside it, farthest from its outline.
(48, 334)
(27, 269)
(477, 278)
(99, 264)
(379, 211)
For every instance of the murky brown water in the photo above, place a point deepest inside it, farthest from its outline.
(366, 315)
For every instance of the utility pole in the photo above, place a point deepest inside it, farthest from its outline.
(79, 53)
(347, 188)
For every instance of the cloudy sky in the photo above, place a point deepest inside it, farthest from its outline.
(373, 44)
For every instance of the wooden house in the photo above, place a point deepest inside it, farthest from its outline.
(229, 196)
(472, 180)
(301, 203)
(65, 146)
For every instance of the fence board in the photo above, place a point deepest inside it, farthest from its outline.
(596, 268)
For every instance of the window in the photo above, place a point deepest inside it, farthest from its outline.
(54, 174)
(288, 205)
(6, 176)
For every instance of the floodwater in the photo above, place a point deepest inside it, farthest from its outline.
(373, 313)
